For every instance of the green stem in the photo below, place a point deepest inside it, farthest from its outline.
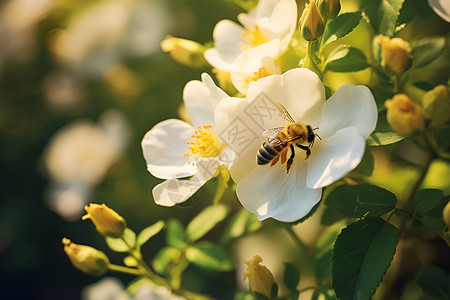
(123, 269)
(298, 241)
(309, 61)
(397, 83)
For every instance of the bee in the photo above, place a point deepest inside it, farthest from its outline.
(280, 139)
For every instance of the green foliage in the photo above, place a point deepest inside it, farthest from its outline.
(427, 199)
(346, 58)
(205, 221)
(291, 279)
(209, 256)
(340, 27)
(367, 163)
(382, 15)
(323, 252)
(175, 236)
(434, 282)
(243, 222)
(426, 50)
(359, 200)
(361, 255)
(383, 134)
(124, 244)
(148, 232)
(166, 257)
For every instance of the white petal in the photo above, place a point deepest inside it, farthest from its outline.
(201, 99)
(271, 193)
(227, 40)
(350, 106)
(333, 157)
(441, 8)
(174, 191)
(164, 147)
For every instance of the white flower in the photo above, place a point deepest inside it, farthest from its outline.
(343, 123)
(174, 149)
(441, 8)
(270, 20)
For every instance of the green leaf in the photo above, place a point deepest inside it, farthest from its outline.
(367, 163)
(243, 222)
(383, 134)
(434, 282)
(427, 50)
(322, 256)
(359, 200)
(244, 296)
(382, 15)
(149, 232)
(119, 245)
(175, 234)
(341, 26)
(164, 258)
(330, 216)
(209, 256)
(291, 276)
(361, 256)
(432, 222)
(205, 221)
(345, 58)
(427, 199)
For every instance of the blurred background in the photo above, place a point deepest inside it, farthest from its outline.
(81, 82)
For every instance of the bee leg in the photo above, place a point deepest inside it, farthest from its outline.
(306, 148)
(283, 155)
(291, 159)
(275, 160)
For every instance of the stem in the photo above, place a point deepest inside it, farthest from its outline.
(123, 269)
(310, 63)
(397, 83)
(298, 241)
(390, 215)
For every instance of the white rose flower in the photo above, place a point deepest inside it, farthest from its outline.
(174, 149)
(441, 8)
(343, 122)
(270, 20)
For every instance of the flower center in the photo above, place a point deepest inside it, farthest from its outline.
(205, 144)
(262, 72)
(254, 37)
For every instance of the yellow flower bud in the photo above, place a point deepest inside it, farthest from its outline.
(260, 279)
(436, 105)
(87, 259)
(311, 24)
(106, 220)
(186, 52)
(446, 214)
(329, 9)
(403, 115)
(395, 53)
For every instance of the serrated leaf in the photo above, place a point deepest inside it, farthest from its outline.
(361, 256)
(242, 223)
(119, 245)
(149, 232)
(383, 134)
(175, 234)
(359, 200)
(346, 58)
(341, 26)
(382, 15)
(291, 276)
(367, 163)
(427, 50)
(427, 199)
(209, 256)
(164, 258)
(434, 282)
(205, 221)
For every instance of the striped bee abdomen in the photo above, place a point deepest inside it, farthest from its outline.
(267, 152)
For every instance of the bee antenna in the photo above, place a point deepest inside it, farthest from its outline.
(318, 136)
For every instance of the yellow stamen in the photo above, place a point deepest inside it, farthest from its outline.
(262, 72)
(254, 37)
(206, 143)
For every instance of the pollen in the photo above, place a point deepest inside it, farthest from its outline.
(262, 72)
(254, 37)
(205, 143)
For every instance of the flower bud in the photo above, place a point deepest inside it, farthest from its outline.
(436, 105)
(87, 259)
(395, 53)
(403, 115)
(186, 52)
(329, 9)
(446, 214)
(260, 279)
(311, 24)
(106, 220)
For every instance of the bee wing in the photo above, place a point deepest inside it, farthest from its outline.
(284, 113)
(272, 131)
